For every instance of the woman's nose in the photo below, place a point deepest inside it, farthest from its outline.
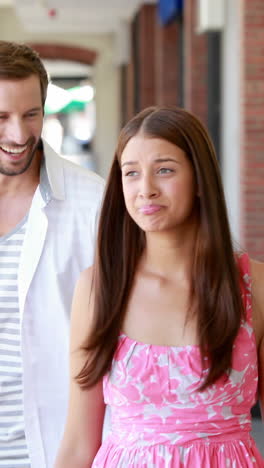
(148, 188)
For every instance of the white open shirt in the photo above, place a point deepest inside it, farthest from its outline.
(59, 244)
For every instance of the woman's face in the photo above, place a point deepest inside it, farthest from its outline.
(158, 184)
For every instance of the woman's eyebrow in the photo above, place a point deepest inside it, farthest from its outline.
(128, 163)
(159, 160)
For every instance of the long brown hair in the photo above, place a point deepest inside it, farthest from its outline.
(215, 287)
(18, 61)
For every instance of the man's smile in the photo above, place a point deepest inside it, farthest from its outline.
(13, 149)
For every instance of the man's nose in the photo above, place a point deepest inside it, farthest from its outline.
(17, 131)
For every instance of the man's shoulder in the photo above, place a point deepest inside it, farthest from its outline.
(82, 186)
(69, 179)
(76, 173)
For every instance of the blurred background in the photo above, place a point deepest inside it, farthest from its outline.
(108, 59)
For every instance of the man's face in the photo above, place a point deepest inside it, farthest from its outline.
(21, 120)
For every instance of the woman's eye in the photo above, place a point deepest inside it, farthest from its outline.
(165, 170)
(131, 173)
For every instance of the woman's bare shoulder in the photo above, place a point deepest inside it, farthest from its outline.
(257, 271)
(85, 278)
(257, 275)
(82, 306)
(257, 267)
(84, 286)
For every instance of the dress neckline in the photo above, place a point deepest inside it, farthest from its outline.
(153, 345)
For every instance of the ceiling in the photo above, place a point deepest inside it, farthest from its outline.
(74, 16)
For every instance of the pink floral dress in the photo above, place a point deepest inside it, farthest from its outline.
(160, 420)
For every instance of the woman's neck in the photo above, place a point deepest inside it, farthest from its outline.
(169, 254)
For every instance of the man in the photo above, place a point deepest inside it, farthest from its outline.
(48, 212)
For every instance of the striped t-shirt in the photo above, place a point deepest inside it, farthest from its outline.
(13, 447)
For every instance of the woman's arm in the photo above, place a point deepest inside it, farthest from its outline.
(261, 377)
(83, 430)
(257, 271)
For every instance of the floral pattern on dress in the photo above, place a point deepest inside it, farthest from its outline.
(161, 420)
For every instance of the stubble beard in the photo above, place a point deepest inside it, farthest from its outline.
(33, 146)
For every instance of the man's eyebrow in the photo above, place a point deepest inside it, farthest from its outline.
(33, 109)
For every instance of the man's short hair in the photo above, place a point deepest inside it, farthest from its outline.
(18, 61)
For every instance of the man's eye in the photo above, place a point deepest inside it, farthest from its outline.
(32, 114)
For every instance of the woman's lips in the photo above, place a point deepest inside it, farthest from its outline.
(149, 209)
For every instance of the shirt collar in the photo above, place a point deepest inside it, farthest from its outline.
(44, 184)
(51, 174)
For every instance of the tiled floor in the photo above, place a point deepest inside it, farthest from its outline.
(258, 433)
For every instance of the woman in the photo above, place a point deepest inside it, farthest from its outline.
(163, 325)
